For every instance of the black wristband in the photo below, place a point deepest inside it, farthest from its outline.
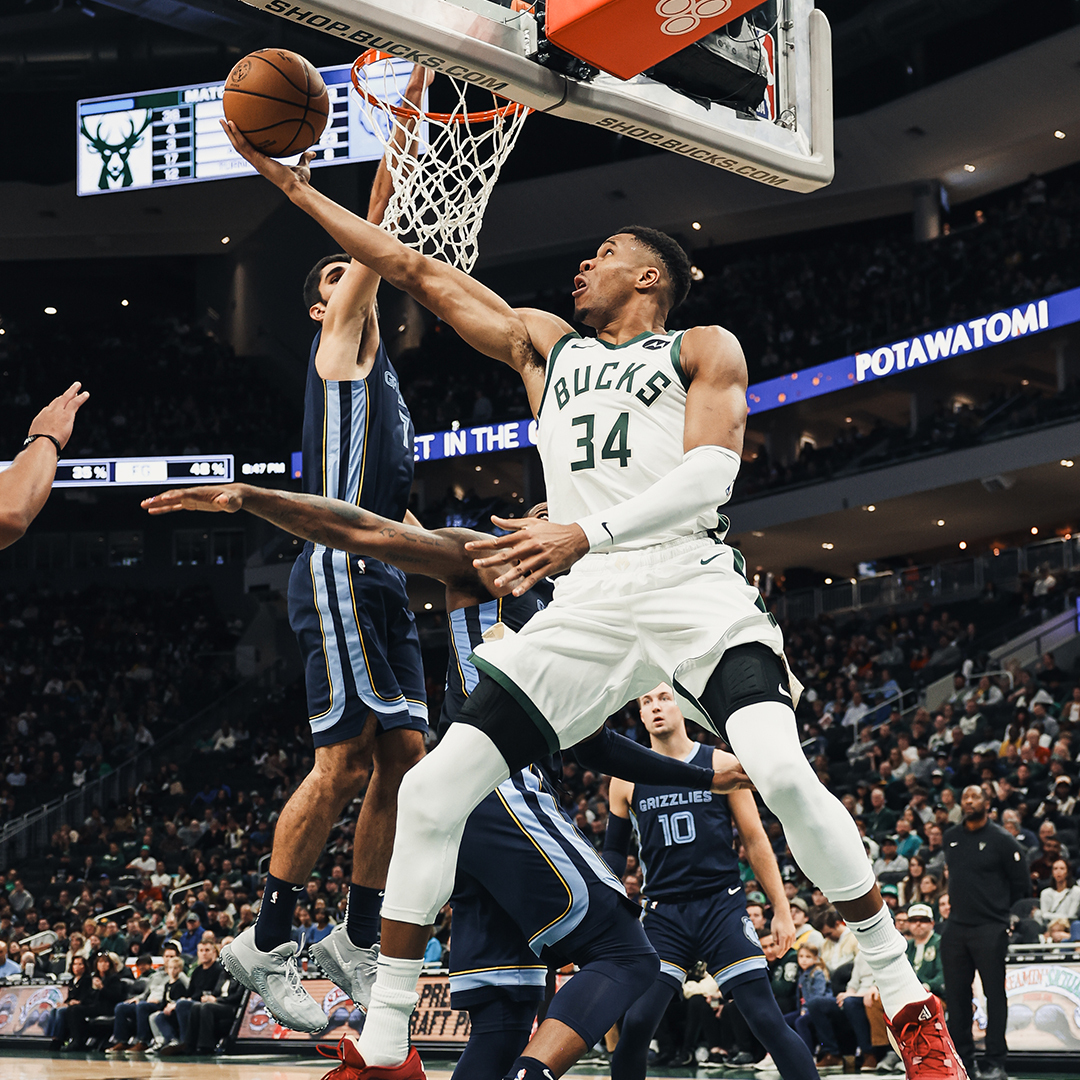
(622, 757)
(42, 435)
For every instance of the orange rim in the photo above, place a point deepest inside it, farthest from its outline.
(484, 116)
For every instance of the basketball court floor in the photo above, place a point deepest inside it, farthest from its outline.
(43, 1065)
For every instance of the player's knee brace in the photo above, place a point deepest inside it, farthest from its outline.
(745, 675)
(497, 713)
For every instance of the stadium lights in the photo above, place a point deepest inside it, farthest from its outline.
(871, 508)
(697, 274)
(50, 310)
(1059, 134)
(696, 225)
(427, 607)
(969, 167)
(226, 239)
(1034, 530)
(478, 468)
(2, 331)
(124, 303)
(496, 480)
(401, 329)
(940, 521)
(827, 546)
(963, 545)
(1067, 463)
(828, 581)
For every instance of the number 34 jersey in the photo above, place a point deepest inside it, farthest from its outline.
(611, 425)
(685, 839)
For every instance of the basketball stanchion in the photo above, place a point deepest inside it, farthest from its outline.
(444, 165)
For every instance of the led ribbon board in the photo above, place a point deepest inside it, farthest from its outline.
(917, 351)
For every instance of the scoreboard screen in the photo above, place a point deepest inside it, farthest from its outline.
(155, 138)
(172, 471)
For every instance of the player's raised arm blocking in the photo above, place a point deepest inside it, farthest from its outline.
(25, 485)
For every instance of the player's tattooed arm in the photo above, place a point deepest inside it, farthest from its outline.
(439, 553)
(762, 860)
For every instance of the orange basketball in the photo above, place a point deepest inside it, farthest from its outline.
(278, 100)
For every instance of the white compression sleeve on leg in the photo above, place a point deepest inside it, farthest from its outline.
(700, 484)
(820, 832)
(436, 797)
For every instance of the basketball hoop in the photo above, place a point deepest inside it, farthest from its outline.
(444, 165)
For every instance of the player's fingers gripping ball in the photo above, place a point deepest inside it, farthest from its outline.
(277, 100)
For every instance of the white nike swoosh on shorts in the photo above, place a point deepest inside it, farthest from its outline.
(736, 889)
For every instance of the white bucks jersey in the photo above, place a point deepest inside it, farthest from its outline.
(611, 425)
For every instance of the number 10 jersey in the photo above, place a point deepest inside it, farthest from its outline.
(611, 425)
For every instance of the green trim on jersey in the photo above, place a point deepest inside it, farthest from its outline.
(521, 698)
(639, 337)
(676, 362)
(555, 350)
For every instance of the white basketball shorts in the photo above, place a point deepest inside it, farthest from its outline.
(620, 623)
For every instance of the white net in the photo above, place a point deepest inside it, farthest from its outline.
(444, 165)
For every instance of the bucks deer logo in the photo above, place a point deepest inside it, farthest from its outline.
(113, 146)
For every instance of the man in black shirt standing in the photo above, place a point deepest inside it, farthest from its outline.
(988, 873)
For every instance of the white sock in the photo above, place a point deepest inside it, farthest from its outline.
(886, 952)
(385, 1037)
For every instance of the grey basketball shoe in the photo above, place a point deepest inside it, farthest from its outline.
(275, 977)
(349, 967)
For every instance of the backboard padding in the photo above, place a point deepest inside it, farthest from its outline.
(489, 46)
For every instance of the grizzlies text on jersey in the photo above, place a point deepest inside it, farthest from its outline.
(350, 615)
(695, 907)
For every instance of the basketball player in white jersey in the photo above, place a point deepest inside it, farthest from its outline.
(640, 434)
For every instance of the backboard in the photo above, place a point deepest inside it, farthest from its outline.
(784, 141)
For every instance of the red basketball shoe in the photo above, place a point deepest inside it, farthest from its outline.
(924, 1043)
(352, 1065)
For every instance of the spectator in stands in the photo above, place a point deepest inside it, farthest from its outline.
(812, 983)
(19, 898)
(79, 990)
(164, 1022)
(106, 992)
(172, 1026)
(1061, 898)
(192, 935)
(840, 946)
(26, 483)
(113, 940)
(890, 867)
(8, 967)
(850, 1004)
(213, 1007)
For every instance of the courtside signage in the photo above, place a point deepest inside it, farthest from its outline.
(931, 347)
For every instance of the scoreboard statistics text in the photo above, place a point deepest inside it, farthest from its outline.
(156, 138)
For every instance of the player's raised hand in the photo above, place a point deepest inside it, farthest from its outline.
(58, 417)
(215, 498)
(538, 548)
(285, 177)
(728, 774)
(783, 928)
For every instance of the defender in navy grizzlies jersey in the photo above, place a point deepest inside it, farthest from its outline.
(530, 890)
(361, 652)
(694, 904)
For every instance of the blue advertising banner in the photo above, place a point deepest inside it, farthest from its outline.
(862, 367)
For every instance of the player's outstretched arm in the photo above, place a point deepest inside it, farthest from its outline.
(759, 851)
(479, 315)
(350, 329)
(25, 485)
(439, 554)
